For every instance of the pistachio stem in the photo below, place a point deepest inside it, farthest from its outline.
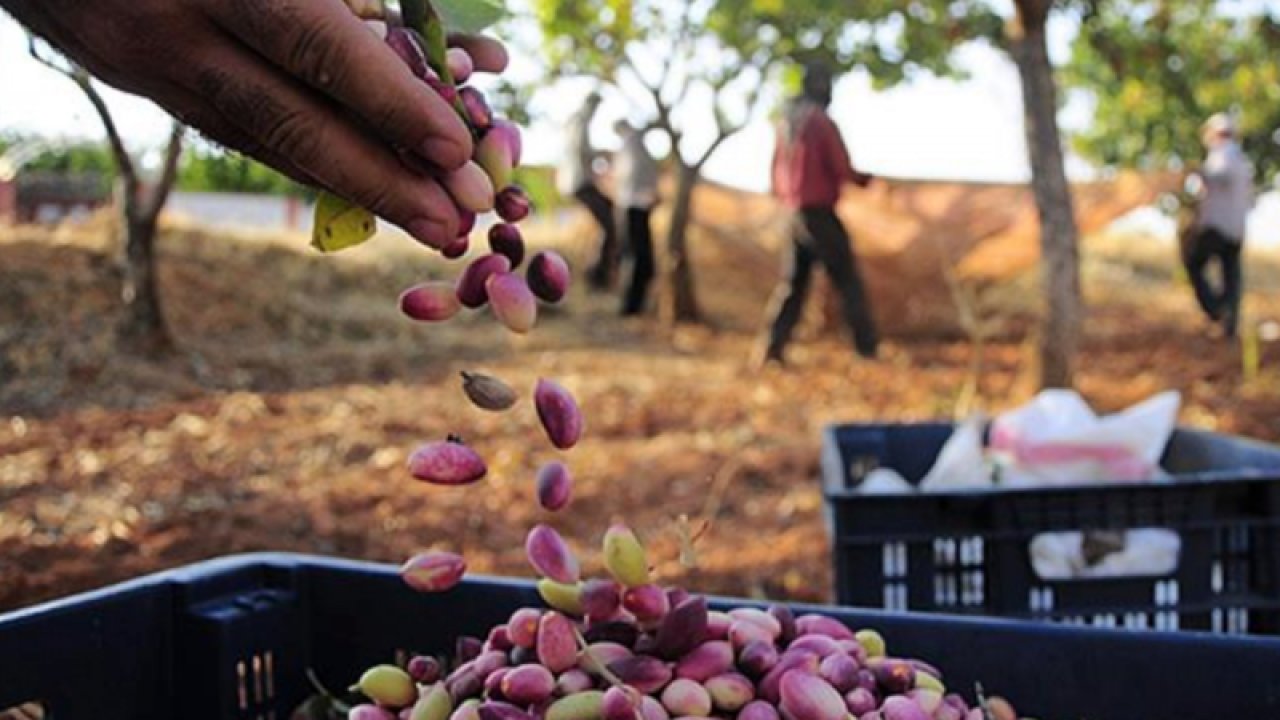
(608, 675)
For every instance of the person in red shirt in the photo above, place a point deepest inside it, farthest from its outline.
(811, 165)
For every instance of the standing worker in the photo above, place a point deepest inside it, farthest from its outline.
(810, 167)
(636, 175)
(1225, 198)
(576, 178)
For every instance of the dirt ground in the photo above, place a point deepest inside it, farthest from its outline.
(284, 420)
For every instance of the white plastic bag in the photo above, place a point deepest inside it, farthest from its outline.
(962, 462)
(1056, 439)
(884, 481)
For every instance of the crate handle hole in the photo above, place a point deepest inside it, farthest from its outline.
(30, 710)
(1122, 553)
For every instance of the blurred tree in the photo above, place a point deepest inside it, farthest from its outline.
(726, 53)
(663, 47)
(1026, 40)
(78, 157)
(1159, 68)
(140, 203)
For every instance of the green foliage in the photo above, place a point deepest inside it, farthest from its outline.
(1159, 68)
(741, 44)
(204, 168)
(890, 39)
(539, 183)
(211, 169)
(80, 157)
(590, 36)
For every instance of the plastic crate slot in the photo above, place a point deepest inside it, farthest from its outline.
(1239, 620)
(30, 710)
(242, 694)
(256, 664)
(1137, 621)
(974, 594)
(895, 560)
(895, 596)
(269, 660)
(944, 589)
(1040, 600)
(944, 552)
(1231, 620)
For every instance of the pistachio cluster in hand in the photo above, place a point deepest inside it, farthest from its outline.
(485, 184)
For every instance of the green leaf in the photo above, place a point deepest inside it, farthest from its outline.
(469, 16)
(339, 224)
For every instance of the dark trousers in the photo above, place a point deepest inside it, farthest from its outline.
(818, 235)
(605, 268)
(1221, 305)
(637, 239)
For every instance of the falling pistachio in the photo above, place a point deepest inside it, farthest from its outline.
(487, 392)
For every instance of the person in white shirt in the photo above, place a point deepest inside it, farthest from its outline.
(636, 175)
(575, 177)
(1225, 198)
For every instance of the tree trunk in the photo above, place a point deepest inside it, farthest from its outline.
(680, 302)
(1060, 329)
(143, 328)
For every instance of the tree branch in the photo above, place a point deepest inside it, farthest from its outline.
(725, 129)
(79, 76)
(660, 105)
(168, 175)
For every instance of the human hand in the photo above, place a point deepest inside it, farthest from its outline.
(302, 85)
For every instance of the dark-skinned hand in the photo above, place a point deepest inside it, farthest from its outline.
(304, 86)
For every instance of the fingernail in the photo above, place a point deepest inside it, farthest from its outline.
(444, 154)
(427, 231)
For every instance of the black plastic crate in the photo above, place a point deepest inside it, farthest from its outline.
(966, 552)
(232, 638)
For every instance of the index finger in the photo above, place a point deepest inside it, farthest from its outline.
(326, 46)
(488, 54)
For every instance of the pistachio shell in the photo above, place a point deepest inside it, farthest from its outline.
(557, 646)
(430, 302)
(446, 463)
(561, 419)
(433, 571)
(587, 705)
(624, 557)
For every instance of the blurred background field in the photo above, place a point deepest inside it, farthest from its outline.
(285, 417)
(283, 413)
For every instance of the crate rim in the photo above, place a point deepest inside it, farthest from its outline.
(249, 561)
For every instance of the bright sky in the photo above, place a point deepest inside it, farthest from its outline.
(928, 128)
